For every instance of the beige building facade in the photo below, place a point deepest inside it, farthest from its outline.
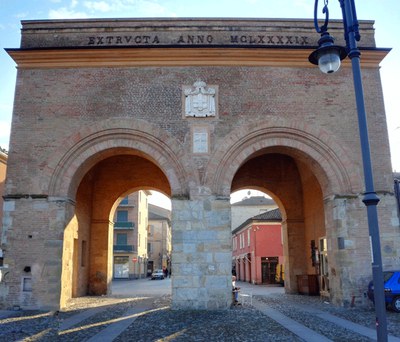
(130, 254)
(160, 238)
(249, 207)
(195, 109)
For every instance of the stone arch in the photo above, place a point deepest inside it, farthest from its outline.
(328, 159)
(97, 149)
(94, 143)
(295, 145)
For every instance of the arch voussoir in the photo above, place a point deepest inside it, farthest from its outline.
(102, 139)
(331, 162)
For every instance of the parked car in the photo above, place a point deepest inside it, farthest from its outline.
(392, 289)
(157, 274)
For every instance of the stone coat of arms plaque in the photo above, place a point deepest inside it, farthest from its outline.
(199, 100)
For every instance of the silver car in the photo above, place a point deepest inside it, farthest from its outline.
(157, 274)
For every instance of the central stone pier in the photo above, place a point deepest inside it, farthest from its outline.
(201, 256)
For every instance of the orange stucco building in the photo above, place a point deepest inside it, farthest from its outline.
(257, 248)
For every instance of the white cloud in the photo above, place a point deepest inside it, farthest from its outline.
(128, 8)
(65, 13)
(394, 137)
(159, 199)
(251, 2)
(5, 129)
(21, 15)
(68, 12)
(97, 6)
(152, 9)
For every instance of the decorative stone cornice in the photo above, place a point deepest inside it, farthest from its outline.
(172, 56)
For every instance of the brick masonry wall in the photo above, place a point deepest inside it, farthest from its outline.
(123, 128)
(68, 100)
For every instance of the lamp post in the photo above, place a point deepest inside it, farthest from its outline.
(328, 57)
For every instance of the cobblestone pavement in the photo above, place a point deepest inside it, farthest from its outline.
(151, 319)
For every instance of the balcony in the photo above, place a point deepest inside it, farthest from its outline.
(128, 225)
(124, 248)
(125, 203)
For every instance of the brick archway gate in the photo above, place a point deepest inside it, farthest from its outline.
(95, 172)
(87, 175)
(303, 168)
(188, 107)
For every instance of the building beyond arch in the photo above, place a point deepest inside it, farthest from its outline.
(195, 109)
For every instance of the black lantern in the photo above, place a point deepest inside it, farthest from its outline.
(328, 55)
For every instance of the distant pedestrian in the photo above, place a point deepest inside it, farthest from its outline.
(234, 271)
(166, 273)
(235, 291)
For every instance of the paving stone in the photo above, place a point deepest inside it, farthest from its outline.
(152, 319)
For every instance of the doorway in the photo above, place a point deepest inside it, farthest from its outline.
(121, 267)
(268, 269)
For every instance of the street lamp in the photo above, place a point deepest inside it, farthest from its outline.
(328, 57)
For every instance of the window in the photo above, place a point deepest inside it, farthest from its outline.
(122, 239)
(151, 230)
(139, 240)
(248, 237)
(149, 247)
(122, 216)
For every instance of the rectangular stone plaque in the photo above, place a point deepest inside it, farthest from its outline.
(200, 140)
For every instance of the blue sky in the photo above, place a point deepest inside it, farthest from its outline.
(386, 14)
